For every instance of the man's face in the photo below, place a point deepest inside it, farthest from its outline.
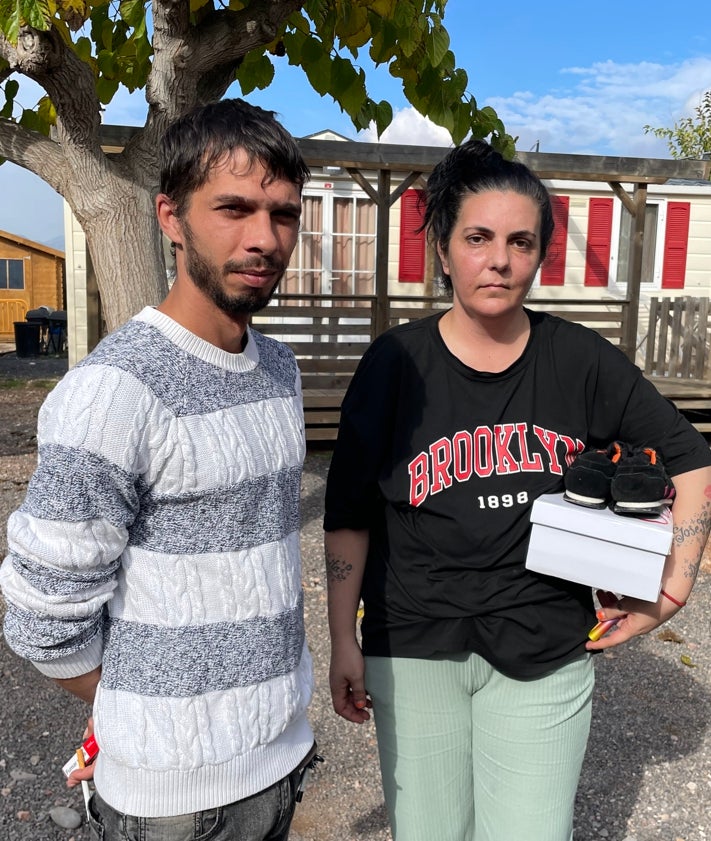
(238, 235)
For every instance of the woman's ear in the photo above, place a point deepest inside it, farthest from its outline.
(442, 254)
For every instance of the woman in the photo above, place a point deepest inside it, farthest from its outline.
(479, 671)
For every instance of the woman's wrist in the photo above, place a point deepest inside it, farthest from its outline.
(673, 599)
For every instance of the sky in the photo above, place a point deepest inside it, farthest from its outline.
(560, 79)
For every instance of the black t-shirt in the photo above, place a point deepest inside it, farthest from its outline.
(442, 464)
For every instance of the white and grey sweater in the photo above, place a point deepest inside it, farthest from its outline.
(160, 539)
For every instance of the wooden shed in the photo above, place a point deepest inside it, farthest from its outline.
(31, 275)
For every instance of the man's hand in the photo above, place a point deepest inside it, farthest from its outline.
(86, 773)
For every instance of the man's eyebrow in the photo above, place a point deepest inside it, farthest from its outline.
(235, 198)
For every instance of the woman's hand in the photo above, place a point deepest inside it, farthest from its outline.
(636, 617)
(346, 678)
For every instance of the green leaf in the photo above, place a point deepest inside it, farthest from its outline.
(46, 111)
(383, 116)
(319, 74)
(133, 12)
(293, 44)
(12, 86)
(82, 48)
(107, 63)
(437, 46)
(687, 661)
(105, 89)
(382, 46)
(32, 122)
(255, 72)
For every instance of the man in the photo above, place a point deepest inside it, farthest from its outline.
(163, 584)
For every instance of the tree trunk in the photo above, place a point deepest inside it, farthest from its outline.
(125, 243)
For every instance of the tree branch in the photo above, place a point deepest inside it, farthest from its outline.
(196, 64)
(35, 152)
(69, 82)
(227, 36)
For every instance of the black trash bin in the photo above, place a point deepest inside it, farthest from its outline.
(27, 338)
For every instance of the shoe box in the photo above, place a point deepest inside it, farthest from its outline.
(599, 548)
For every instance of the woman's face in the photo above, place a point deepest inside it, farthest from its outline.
(494, 252)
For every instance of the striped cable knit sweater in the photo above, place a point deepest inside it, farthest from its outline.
(160, 539)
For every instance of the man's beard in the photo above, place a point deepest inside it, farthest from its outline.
(207, 277)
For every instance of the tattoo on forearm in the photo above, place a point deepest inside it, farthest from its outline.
(691, 535)
(337, 569)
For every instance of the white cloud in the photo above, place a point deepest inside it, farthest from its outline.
(606, 108)
(410, 127)
(602, 110)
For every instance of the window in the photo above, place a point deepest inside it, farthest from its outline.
(12, 274)
(335, 253)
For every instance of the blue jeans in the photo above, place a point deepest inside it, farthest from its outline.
(265, 816)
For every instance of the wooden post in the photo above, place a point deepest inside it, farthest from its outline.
(634, 272)
(382, 314)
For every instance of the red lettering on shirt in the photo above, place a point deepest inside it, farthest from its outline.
(419, 479)
(441, 452)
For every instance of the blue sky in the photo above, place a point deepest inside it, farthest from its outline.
(559, 78)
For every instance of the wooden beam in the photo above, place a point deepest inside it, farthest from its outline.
(352, 154)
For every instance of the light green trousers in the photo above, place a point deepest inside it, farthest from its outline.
(467, 754)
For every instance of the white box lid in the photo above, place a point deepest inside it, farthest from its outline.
(653, 534)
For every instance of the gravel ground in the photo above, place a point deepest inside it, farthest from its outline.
(647, 775)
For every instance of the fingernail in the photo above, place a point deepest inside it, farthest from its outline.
(600, 615)
(360, 704)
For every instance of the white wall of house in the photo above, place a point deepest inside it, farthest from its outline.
(76, 262)
(327, 186)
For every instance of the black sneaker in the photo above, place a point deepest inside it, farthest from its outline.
(588, 479)
(641, 485)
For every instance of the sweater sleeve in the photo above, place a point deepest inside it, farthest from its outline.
(66, 540)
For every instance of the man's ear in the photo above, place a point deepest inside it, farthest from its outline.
(168, 219)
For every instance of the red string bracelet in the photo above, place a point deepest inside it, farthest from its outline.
(672, 599)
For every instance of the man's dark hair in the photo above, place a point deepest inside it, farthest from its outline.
(195, 143)
(476, 167)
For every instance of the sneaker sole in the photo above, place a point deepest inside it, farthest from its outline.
(650, 503)
(585, 501)
(640, 510)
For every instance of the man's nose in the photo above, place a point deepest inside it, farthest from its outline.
(261, 233)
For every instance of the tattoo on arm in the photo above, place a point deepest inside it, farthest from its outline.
(337, 569)
(691, 535)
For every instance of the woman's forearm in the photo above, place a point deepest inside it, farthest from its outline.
(692, 522)
(346, 553)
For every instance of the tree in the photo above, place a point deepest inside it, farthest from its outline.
(188, 52)
(690, 137)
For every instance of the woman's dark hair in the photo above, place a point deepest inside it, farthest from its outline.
(476, 167)
(195, 143)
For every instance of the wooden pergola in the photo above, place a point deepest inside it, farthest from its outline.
(413, 162)
(326, 347)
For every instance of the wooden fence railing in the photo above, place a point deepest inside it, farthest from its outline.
(678, 338)
(329, 334)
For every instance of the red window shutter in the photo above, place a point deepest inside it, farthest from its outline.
(553, 268)
(597, 253)
(412, 241)
(676, 243)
